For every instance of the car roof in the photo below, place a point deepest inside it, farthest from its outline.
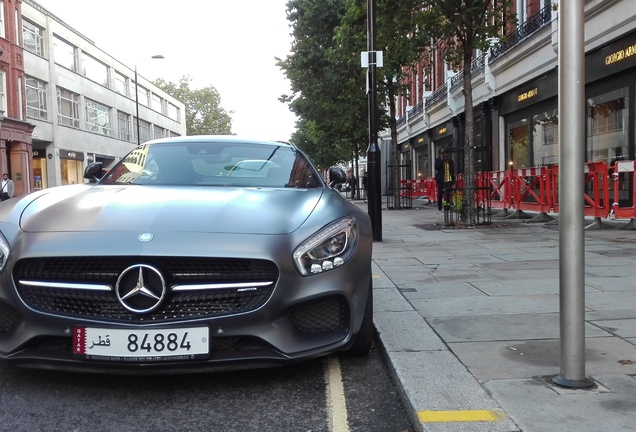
(218, 138)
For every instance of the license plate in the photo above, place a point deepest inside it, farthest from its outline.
(141, 345)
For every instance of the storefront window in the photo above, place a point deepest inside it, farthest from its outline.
(71, 171)
(607, 126)
(423, 168)
(545, 138)
(39, 173)
(519, 144)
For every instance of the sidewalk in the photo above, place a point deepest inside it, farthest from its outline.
(469, 322)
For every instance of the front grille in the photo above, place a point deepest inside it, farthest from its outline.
(8, 317)
(176, 271)
(322, 315)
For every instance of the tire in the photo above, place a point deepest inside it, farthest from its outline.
(364, 339)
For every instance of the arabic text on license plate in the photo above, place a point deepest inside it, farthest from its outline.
(179, 342)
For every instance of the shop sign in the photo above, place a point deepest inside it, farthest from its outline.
(527, 95)
(74, 155)
(38, 154)
(620, 55)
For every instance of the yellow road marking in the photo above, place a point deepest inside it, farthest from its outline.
(336, 402)
(376, 276)
(461, 416)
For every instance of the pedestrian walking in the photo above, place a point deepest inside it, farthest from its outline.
(444, 178)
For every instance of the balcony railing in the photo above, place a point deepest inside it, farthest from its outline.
(477, 64)
(417, 109)
(437, 95)
(534, 23)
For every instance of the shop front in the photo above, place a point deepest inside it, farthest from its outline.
(442, 138)
(422, 168)
(71, 167)
(531, 123)
(611, 107)
(40, 174)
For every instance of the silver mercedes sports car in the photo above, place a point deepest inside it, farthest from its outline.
(191, 253)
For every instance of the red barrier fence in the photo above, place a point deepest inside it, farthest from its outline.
(531, 189)
(500, 183)
(417, 188)
(537, 189)
(596, 197)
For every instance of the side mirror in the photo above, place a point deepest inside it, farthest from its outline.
(93, 172)
(336, 176)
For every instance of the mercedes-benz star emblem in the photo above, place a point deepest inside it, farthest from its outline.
(140, 288)
(145, 237)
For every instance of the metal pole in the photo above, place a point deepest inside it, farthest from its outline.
(137, 106)
(373, 152)
(571, 191)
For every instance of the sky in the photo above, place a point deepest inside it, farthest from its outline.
(231, 45)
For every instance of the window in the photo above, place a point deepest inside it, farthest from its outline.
(123, 126)
(36, 99)
(143, 96)
(159, 133)
(607, 117)
(3, 92)
(156, 102)
(32, 38)
(94, 69)
(134, 133)
(608, 125)
(173, 112)
(97, 117)
(546, 138)
(120, 84)
(64, 53)
(67, 108)
(2, 19)
(131, 88)
(144, 128)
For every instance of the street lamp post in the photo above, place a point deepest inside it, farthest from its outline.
(158, 56)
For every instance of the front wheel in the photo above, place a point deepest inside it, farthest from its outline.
(364, 339)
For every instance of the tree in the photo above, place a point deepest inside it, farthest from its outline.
(461, 27)
(399, 36)
(203, 111)
(327, 86)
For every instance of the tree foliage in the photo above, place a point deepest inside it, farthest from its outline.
(399, 36)
(203, 112)
(329, 86)
(460, 27)
(327, 91)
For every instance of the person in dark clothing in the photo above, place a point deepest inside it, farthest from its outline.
(365, 185)
(445, 178)
(353, 186)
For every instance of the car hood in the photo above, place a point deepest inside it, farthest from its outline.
(159, 208)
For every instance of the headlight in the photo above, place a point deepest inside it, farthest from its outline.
(4, 252)
(328, 248)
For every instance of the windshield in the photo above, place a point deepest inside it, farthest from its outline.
(215, 164)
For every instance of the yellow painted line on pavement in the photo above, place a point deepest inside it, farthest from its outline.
(336, 402)
(376, 276)
(461, 416)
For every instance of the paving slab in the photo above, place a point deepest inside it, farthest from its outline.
(469, 322)
(511, 327)
(538, 407)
